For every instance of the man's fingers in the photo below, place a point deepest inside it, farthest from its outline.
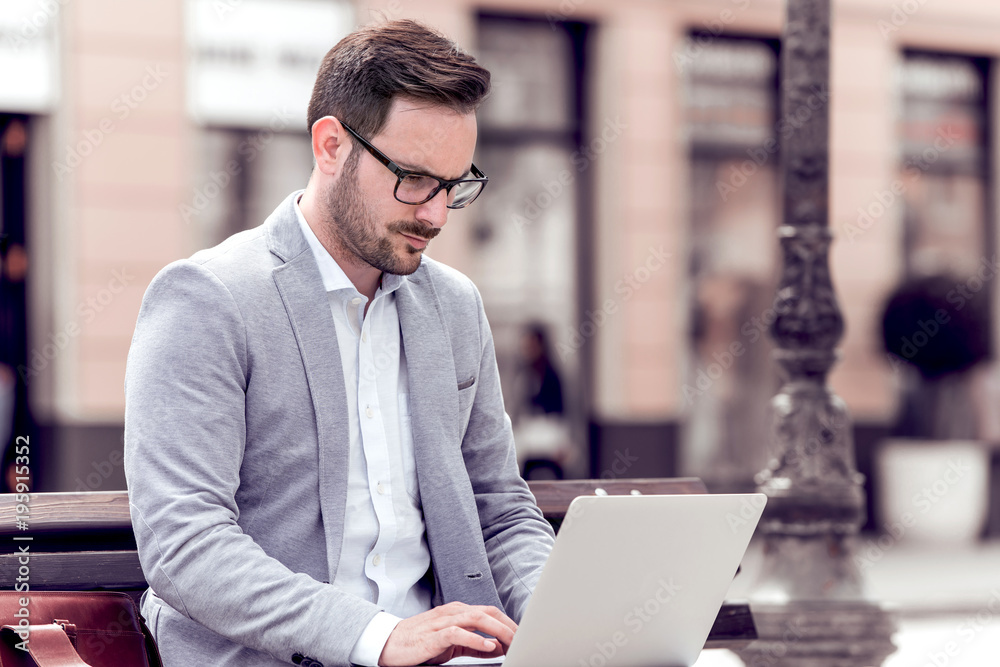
(457, 608)
(448, 631)
(506, 628)
(476, 618)
(502, 617)
(456, 636)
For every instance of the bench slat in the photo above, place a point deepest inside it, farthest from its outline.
(554, 497)
(76, 571)
(733, 627)
(62, 513)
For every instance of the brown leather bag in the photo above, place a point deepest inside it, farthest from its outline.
(73, 629)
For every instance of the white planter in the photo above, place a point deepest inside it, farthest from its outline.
(933, 490)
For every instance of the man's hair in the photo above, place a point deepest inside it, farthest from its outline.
(366, 71)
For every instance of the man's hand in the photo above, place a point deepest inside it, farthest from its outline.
(447, 632)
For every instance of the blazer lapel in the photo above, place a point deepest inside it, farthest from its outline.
(450, 514)
(301, 288)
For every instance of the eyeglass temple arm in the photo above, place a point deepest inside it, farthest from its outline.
(376, 153)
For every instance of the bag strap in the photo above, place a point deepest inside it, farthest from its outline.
(152, 652)
(48, 645)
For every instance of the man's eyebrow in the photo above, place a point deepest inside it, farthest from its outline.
(427, 172)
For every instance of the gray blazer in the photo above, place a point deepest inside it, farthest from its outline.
(236, 451)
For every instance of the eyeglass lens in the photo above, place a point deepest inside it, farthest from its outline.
(416, 189)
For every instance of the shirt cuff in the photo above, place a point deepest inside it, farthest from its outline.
(368, 649)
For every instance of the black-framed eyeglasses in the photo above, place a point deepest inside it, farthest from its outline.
(415, 188)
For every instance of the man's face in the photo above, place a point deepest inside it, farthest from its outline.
(369, 224)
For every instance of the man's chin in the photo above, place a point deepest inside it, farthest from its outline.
(407, 264)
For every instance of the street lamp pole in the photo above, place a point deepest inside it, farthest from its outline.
(808, 602)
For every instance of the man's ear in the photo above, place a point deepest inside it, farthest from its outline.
(330, 145)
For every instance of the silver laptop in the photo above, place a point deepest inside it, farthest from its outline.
(635, 581)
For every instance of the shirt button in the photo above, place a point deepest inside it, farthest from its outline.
(376, 560)
(364, 336)
(380, 488)
(369, 412)
(356, 301)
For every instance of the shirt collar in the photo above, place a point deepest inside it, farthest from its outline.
(334, 277)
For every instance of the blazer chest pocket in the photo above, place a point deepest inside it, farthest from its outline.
(466, 395)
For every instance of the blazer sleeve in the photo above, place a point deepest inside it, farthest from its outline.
(518, 539)
(185, 434)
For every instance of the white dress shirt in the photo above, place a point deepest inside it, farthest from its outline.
(385, 551)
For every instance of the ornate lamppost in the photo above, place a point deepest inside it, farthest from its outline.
(808, 602)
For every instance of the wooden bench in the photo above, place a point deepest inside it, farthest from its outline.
(84, 541)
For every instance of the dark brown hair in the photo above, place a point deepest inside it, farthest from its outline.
(366, 71)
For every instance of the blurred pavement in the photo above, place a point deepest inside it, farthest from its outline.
(941, 592)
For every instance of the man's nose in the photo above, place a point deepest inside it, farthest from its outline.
(435, 210)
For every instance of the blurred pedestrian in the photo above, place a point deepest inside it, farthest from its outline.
(541, 433)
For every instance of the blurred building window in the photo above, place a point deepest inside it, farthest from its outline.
(530, 223)
(242, 175)
(732, 130)
(944, 163)
(946, 391)
(250, 72)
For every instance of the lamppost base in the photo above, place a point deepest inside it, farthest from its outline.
(820, 634)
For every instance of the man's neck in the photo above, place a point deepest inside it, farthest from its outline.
(366, 278)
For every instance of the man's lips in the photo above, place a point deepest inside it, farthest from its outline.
(417, 242)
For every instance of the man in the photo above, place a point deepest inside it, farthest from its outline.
(319, 463)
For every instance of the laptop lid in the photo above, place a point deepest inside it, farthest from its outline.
(635, 581)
